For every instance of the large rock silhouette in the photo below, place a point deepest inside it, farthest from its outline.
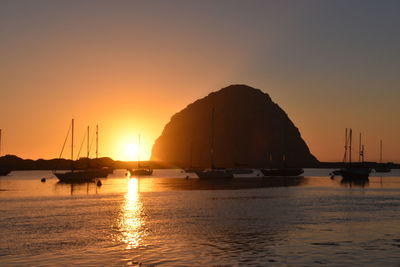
(249, 131)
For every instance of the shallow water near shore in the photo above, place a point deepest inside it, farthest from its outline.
(168, 220)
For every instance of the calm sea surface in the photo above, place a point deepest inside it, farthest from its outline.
(168, 220)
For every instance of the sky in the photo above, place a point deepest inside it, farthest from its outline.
(128, 66)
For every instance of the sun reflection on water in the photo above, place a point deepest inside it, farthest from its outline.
(130, 222)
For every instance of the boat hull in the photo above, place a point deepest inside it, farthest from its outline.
(140, 172)
(75, 177)
(191, 170)
(282, 172)
(242, 171)
(355, 173)
(383, 169)
(214, 174)
(98, 173)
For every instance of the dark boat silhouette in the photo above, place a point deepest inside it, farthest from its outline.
(102, 172)
(352, 172)
(242, 171)
(76, 176)
(97, 171)
(355, 173)
(213, 172)
(140, 171)
(381, 167)
(282, 172)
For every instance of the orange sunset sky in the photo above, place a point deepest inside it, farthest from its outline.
(130, 65)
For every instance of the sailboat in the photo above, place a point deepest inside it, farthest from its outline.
(140, 170)
(283, 171)
(191, 169)
(381, 167)
(213, 173)
(97, 171)
(350, 172)
(3, 170)
(74, 176)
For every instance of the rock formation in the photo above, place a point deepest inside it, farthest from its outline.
(249, 131)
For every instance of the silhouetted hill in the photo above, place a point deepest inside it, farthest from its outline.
(13, 162)
(250, 130)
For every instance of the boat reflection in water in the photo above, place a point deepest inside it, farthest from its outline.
(130, 223)
(78, 188)
(162, 184)
(354, 182)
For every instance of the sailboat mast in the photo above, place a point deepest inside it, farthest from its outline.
(97, 141)
(191, 154)
(87, 144)
(270, 159)
(350, 140)
(380, 154)
(345, 146)
(0, 142)
(362, 153)
(72, 140)
(284, 144)
(212, 139)
(359, 149)
(138, 153)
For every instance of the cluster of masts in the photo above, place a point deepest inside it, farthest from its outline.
(88, 143)
(82, 175)
(348, 147)
(361, 149)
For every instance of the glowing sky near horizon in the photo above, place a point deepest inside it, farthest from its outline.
(130, 65)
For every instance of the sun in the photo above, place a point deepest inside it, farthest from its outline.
(131, 152)
(128, 147)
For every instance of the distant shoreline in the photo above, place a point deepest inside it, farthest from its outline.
(15, 163)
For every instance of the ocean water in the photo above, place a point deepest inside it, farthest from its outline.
(167, 220)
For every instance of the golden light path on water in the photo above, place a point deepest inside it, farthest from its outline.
(131, 223)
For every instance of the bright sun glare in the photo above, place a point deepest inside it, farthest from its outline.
(131, 152)
(129, 148)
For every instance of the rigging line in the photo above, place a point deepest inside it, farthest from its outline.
(65, 141)
(91, 144)
(62, 149)
(345, 147)
(80, 149)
